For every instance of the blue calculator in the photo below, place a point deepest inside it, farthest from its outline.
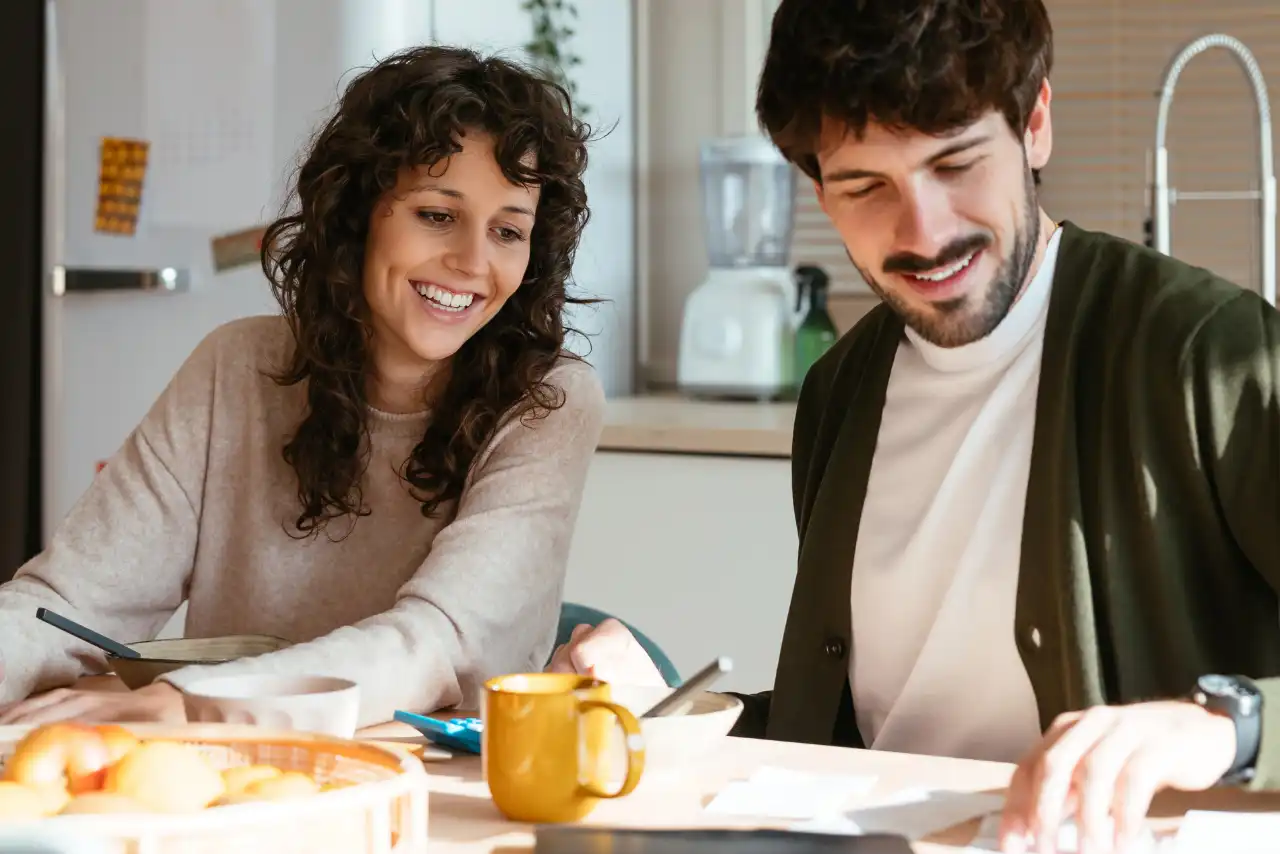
(456, 734)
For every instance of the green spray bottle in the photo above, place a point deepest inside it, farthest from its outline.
(817, 332)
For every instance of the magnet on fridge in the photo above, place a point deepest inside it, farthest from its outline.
(122, 165)
(238, 248)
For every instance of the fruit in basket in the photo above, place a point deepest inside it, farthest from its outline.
(102, 803)
(76, 769)
(119, 741)
(277, 787)
(166, 776)
(20, 803)
(237, 779)
(290, 784)
(59, 761)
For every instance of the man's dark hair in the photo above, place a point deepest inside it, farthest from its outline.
(931, 66)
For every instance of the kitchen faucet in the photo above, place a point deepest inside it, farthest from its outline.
(1164, 197)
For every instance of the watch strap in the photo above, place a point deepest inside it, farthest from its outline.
(1247, 717)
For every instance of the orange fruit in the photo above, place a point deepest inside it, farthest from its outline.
(19, 803)
(119, 740)
(65, 756)
(239, 778)
(166, 776)
(101, 803)
(290, 784)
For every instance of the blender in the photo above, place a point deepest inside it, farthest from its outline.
(737, 331)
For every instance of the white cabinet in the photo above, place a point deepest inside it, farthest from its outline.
(698, 552)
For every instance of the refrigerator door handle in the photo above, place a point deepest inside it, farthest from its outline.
(167, 280)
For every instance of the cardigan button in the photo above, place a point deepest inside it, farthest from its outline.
(1033, 637)
(834, 647)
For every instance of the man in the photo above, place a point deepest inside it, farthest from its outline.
(1043, 477)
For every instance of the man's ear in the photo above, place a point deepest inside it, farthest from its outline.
(1038, 139)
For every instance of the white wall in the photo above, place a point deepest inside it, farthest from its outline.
(698, 72)
(605, 267)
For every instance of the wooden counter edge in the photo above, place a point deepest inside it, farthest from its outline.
(767, 444)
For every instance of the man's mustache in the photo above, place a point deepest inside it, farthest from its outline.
(905, 262)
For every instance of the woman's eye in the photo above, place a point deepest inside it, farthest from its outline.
(509, 235)
(435, 217)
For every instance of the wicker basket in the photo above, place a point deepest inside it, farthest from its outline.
(382, 810)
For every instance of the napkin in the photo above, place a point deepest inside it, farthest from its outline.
(1204, 831)
(913, 813)
(988, 839)
(782, 793)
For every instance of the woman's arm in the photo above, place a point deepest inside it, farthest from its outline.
(487, 598)
(119, 562)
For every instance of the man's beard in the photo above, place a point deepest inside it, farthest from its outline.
(956, 322)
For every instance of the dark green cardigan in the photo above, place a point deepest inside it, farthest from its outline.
(1151, 543)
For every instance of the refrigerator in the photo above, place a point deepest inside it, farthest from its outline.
(174, 123)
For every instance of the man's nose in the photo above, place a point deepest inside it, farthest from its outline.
(926, 222)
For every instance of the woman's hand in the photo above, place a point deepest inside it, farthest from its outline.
(158, 702)
(608, 652)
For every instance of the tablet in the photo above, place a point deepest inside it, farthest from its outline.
(578, 839)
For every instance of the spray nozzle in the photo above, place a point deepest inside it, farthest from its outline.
(811, 280)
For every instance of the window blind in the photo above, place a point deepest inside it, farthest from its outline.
(1110, 58)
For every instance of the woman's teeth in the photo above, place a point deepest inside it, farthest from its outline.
(946, 272)
(447, 300)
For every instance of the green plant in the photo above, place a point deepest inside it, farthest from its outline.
(549, 47)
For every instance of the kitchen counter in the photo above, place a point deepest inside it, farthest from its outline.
(680, 425)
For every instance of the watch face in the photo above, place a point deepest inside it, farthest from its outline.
(1239, 692)
(1219, 686)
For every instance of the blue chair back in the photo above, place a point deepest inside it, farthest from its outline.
(573, 615)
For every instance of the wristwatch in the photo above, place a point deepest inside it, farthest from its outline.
(1237, 698)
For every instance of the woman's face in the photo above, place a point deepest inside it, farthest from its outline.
(446, 249)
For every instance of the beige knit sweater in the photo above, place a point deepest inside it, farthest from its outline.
(198, 505)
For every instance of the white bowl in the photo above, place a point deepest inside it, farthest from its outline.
(318, 704)
(671, 743)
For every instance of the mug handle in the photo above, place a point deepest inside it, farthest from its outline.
(634, 743)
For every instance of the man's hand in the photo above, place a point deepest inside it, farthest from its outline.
(608, 652)
(1105, 765)
(158, 702)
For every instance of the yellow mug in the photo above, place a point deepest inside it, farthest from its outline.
(545, 745)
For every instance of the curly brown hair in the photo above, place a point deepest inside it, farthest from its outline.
(410, 110)
(926, 65)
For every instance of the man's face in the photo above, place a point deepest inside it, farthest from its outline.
(944, 229)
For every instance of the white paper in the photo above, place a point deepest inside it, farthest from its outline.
(913, 813)
(1202, 831)
(786, 794)
(988, 839)
(209, 112)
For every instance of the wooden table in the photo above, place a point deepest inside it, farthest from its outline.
(463, 819)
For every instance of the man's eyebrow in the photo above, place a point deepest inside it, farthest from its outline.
(950, 151)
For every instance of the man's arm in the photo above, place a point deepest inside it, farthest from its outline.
(812, 403)
(1232, 374)
(1115, 758)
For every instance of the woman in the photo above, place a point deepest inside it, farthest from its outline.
(387, 475)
